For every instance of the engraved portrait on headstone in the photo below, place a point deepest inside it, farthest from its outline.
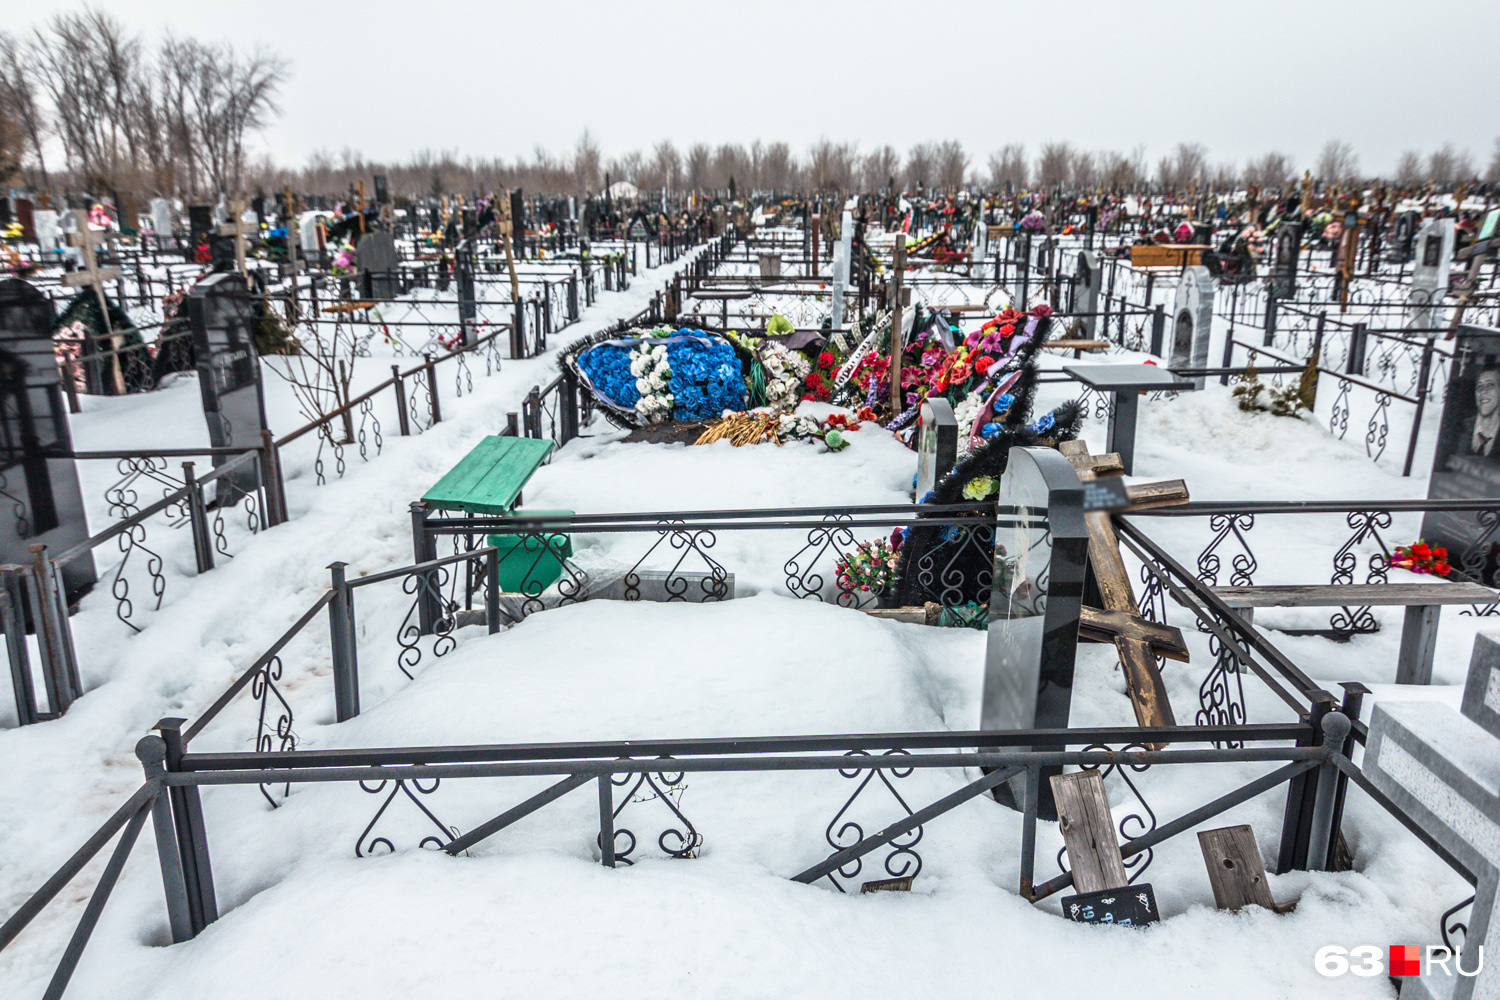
(1466, 462)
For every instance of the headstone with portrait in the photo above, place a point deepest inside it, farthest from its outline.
(1192, 320)
(1087, 283)
(38, 475)
(1288, 249)
(224, 319)
(1403, 232)
(1429, 275)
(1466, 463)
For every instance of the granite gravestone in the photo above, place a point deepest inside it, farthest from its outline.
(200, 225)
(979, 249)
(224, 318)
(1466, 463)
(1036, 597)
(379, 265)
(1087, 280)
(937, 443)
(162, 220)
(48, 231)
(23, 213)
(1192, 320)
(1439, 767)
(1288, 249)
(307, 225)
(38, 476)
(1403, 232)
(842, 256)
(1429, 276)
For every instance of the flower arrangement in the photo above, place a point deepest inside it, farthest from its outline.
(706, 376)
(1033, 222)
(1422, 558)
(785, 370)
(344, 263)
(870, 568)
(653, 374)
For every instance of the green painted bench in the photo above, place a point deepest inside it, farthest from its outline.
(488, 480)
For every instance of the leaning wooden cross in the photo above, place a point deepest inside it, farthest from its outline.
(90, 273)
(505, 226)
(239, 229)
(1138, 640)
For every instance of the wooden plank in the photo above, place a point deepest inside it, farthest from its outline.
(1088, 831)
(1167, 493)
(1078, 345)
(1168, 255)
(1355, 595)
(1235, 868)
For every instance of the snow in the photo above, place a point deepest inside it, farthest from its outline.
(531, 912)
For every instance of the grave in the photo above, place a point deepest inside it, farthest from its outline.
(378, 265)
(1288, 249)
(1441, 768)
(979, 249)
(1403, 233)
(1429, 276)
(842, 258)
(200, 226)
(1466, 459)
(48, 231)
(1084, 294)
(937, 443)
(224, 319)
(38, 475)
(162, 218)
(1192, 320)
(1035, 601)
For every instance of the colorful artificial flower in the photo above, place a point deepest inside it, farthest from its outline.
(1422, 558)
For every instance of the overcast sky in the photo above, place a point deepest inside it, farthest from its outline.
(498, 79)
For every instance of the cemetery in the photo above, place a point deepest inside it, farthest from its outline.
(547, 583)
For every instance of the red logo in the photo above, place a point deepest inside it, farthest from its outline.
(1406, 960)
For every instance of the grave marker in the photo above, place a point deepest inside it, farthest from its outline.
(48, 232)
(37, 469)
(238, 229)
(1403, 232)
(1192, 320)
(1288, 249)
(1084, 293)
(378, 265)
(937, 443)
(1438, 766)
(224, 319)
(1429, 276)
(162, 220)
(1466, 461)
(91, 274)
(200, 225)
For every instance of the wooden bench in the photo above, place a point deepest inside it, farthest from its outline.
(1078, 346)
(1423, 603)
(1174, 255)
(488, 480)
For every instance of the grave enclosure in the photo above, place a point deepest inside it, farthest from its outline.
(1073, 556)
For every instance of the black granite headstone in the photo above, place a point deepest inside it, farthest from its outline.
(1288, 248)
(41, 501)
(1466, 463)
(224, 317)
(1403, 232)
(379, 265)
(200, 225)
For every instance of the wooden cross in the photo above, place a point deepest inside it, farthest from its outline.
(506, 227)
(239, 229)
(898, 272)
(85, 239)
(1138, 640)
(1475, 253)
(293, 233)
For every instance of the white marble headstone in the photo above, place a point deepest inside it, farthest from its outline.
(1192, 320)
(48, 231)
(1432, 258)
(161, 217)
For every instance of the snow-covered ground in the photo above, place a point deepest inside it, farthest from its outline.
(531, 912)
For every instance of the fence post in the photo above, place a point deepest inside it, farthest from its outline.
(1296, 826)
(1355, 363)
(61, 690)
(606, 820)
(151, 751)
(492, 590)
(1354, 696)
(1423, 374)
(1270, 321)
(512, 425)
(531, 413)
(432, 390)
(192, 835)
(1336, 729)
(345, 647)
(569, 405)
(270, 464)
(13, 621)
(518, 330)
(198, 520)
(399, 384)
(424, 549)
(573, 297)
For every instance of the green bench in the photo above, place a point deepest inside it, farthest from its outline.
(488, 480)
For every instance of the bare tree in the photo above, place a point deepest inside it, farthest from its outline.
(699, 158)
(667, 163)
(1187, 163)
(1449, 164)
(587, 162)
(1083, 172)
(1409, 169)
(1338, 163)
(921, 165)
(1270, 172)
(952, 165)
(778, 169)
(20, 100)
(1054, 164)
(880, 168)
(1008, 166)
(830, 165)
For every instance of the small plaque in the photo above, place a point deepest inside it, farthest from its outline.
(1131, 905)
(1105, 494)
